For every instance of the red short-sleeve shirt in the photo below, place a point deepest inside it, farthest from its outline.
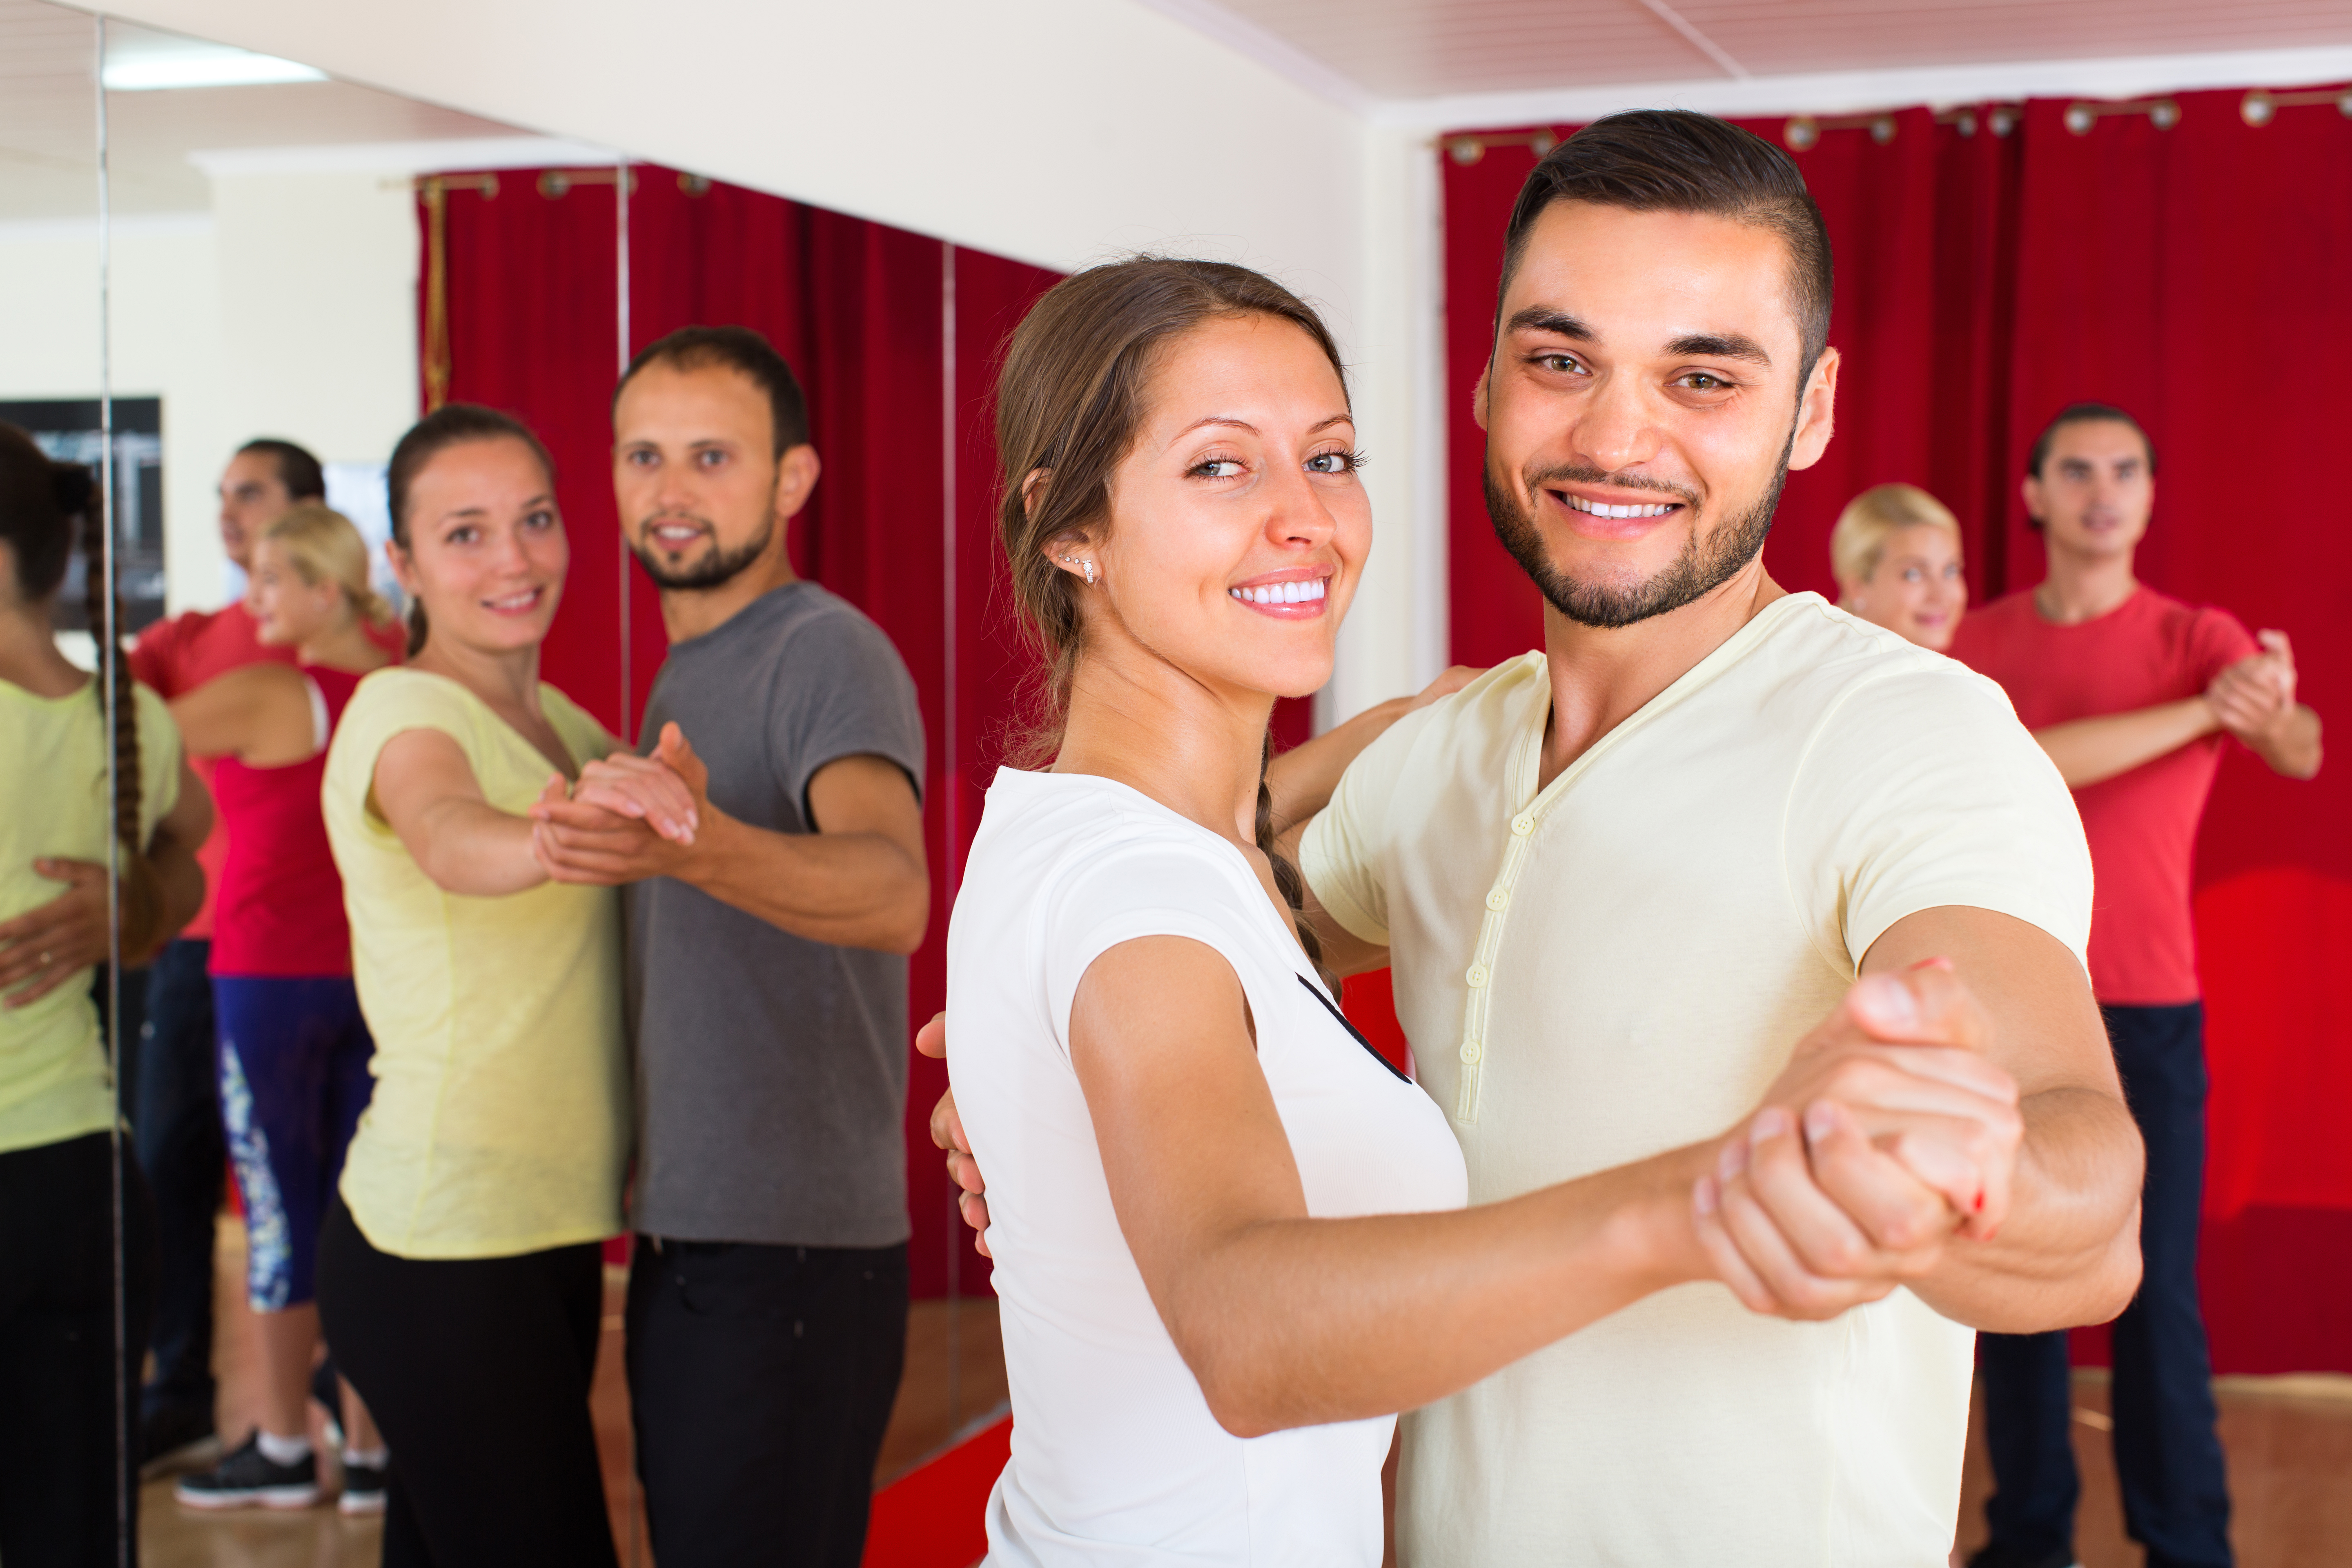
(177, 655)
(2142, 824)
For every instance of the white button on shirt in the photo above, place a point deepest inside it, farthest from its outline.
(1622, 960)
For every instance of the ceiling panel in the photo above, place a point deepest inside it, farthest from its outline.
(1423, 49)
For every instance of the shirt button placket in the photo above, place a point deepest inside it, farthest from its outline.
(1480, 975)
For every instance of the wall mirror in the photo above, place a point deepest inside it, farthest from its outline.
(214, 247)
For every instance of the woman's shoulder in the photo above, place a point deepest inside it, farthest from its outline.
(389, 701)
(1088, 849)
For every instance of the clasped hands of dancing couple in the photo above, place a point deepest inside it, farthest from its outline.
(1889, 1139)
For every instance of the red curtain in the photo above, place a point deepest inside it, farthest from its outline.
(2195, 276)
(876, 321)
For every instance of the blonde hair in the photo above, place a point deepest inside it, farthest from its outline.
(1859, 541)
(325, 547)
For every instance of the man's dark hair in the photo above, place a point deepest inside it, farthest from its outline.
(2085, 414)
(1672, 160)
(298, 470)
(738, 349)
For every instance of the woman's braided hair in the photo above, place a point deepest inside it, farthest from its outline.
(40, 501)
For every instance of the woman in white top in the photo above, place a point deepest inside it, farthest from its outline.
(1216, 1214)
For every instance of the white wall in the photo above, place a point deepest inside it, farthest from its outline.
(290, 310)
(1058, 131)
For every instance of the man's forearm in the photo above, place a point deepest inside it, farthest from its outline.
(2089, 751)
(851, 889)
(1301, 779)
(2293, 747)
(2070, 1252)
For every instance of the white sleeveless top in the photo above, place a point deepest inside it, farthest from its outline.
(1116, 1458)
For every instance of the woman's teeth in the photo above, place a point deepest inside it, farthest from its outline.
(1598, 510)
(1305, 593)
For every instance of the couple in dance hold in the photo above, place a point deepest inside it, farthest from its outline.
(1739, 942)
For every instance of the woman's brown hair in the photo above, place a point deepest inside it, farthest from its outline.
(1070, 400)
(40, 501)
(451, 424)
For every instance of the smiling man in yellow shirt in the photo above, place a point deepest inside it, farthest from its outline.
(1618, 879)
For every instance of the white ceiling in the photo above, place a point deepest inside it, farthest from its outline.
(1406, 49)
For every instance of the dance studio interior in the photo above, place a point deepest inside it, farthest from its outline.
(313, 224)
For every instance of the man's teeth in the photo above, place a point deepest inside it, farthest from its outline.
(1305, 593)
(1598, 510)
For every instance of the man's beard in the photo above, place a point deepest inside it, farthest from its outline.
(1709, 560)
(714, 569)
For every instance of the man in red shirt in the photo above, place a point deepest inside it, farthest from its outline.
(177, 1111)
(2135, 695)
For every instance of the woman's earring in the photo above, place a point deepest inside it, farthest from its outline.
(1086, 566)
(1090, 574)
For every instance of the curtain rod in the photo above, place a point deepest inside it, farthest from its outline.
(1802, 132)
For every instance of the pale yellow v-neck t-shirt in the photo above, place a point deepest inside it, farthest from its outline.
(54, 1082)
(501, 1119)
(1619, 966)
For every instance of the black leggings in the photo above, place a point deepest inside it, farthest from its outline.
(478, 1370)
(62, 1390)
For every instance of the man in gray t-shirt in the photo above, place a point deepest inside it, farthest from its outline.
(767, 979)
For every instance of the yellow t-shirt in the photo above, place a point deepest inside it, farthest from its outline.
(501, 1119)
(53, 1079)
(1620, 965)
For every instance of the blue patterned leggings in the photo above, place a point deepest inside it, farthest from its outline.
(293, 1080)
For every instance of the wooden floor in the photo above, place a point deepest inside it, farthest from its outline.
(2289, 1442)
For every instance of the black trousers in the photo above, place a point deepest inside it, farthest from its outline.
(2167, 1459)
(762, 1380)
(169, 1083)
(478, 1370)
(63, 1389)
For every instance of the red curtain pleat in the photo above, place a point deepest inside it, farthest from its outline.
(2194, 275)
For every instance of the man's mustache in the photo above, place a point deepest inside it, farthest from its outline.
(1584, 474)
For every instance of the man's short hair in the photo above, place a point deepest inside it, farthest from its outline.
(2085, 414)
(298, 470)
(738, 349)
(1671, 160)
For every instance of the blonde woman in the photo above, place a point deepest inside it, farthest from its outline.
(1895, 553)
(293, 1055)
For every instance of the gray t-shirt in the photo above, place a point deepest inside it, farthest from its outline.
(770, 1069)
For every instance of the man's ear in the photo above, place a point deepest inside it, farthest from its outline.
(796, 475)
(1479, 392)
(2031, 489)
(1816, 413)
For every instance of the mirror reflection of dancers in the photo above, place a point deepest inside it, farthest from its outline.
(459, 1273)
(62, 1389)
(293, 1053)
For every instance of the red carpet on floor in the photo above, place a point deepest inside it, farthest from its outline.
(933, 1516)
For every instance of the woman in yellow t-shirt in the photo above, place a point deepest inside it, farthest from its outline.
(459, 1278)
(61, 1388)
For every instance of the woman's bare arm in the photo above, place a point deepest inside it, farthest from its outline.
(1288, 1322)
(425, 790)
(257, 713)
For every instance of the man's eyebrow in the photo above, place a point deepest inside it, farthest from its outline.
(1720, 345)
(1544, 319)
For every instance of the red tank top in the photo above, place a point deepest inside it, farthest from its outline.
(280, 909)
